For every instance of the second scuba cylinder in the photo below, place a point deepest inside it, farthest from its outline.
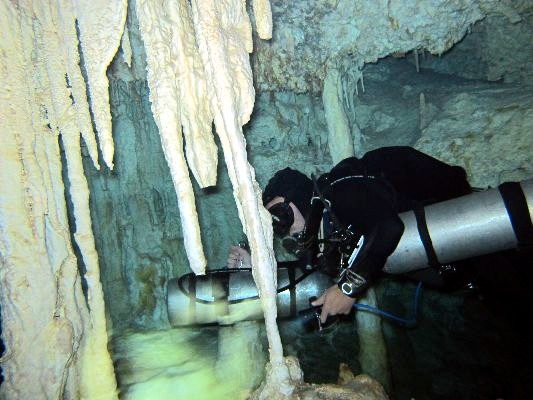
(225, 296)
(468, 226)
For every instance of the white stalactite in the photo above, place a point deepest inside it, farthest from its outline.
(125, 45)
(196, 116)
(101, 23)
(69, 42)
(263, 18)
(190, 84)
(164, 96)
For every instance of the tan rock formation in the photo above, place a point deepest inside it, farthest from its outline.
(56, 340)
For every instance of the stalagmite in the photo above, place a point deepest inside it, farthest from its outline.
(372, 346)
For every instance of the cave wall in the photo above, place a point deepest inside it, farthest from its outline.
(470, 106)
(311, 36)
(497, 49)
(479, 125)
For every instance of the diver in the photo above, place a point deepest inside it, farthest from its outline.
(345, 223)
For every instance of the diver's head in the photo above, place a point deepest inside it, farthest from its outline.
(288, 198)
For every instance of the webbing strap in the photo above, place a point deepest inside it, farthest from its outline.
(192, 297)
(518, 211)
(423, 231)
(292, 291)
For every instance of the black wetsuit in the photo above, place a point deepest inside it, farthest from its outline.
(367, 194)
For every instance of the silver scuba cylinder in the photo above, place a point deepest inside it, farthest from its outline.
(226, 296)
(461, 228)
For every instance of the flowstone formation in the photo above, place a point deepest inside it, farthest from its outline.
(55, 337)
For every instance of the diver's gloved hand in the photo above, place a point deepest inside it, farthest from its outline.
(239, 258)
(333, 302)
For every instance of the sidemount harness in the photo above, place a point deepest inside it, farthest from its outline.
(337, 244)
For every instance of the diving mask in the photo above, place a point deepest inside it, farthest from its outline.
(282, 217)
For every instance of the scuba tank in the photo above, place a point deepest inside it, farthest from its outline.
(225, 296)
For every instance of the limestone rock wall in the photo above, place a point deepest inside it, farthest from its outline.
(487, 131)
(310, 35)
(481, 126)
(288, 129)
(498, 48)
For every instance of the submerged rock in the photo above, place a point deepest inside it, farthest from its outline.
(348, 387)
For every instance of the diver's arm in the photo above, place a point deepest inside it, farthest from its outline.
(382, 240)
(378, 243)
(333, 302)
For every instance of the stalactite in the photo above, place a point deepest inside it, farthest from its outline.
(125, 45)
(181, 96)
(417, 63)
(340, 141)
(224, 39)
(422, 111)
(93, 346)
(263, 18)
(101, 23)
(196, 116)
(69, 41)
(164, 95)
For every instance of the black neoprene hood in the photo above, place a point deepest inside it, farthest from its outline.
(293, 185)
